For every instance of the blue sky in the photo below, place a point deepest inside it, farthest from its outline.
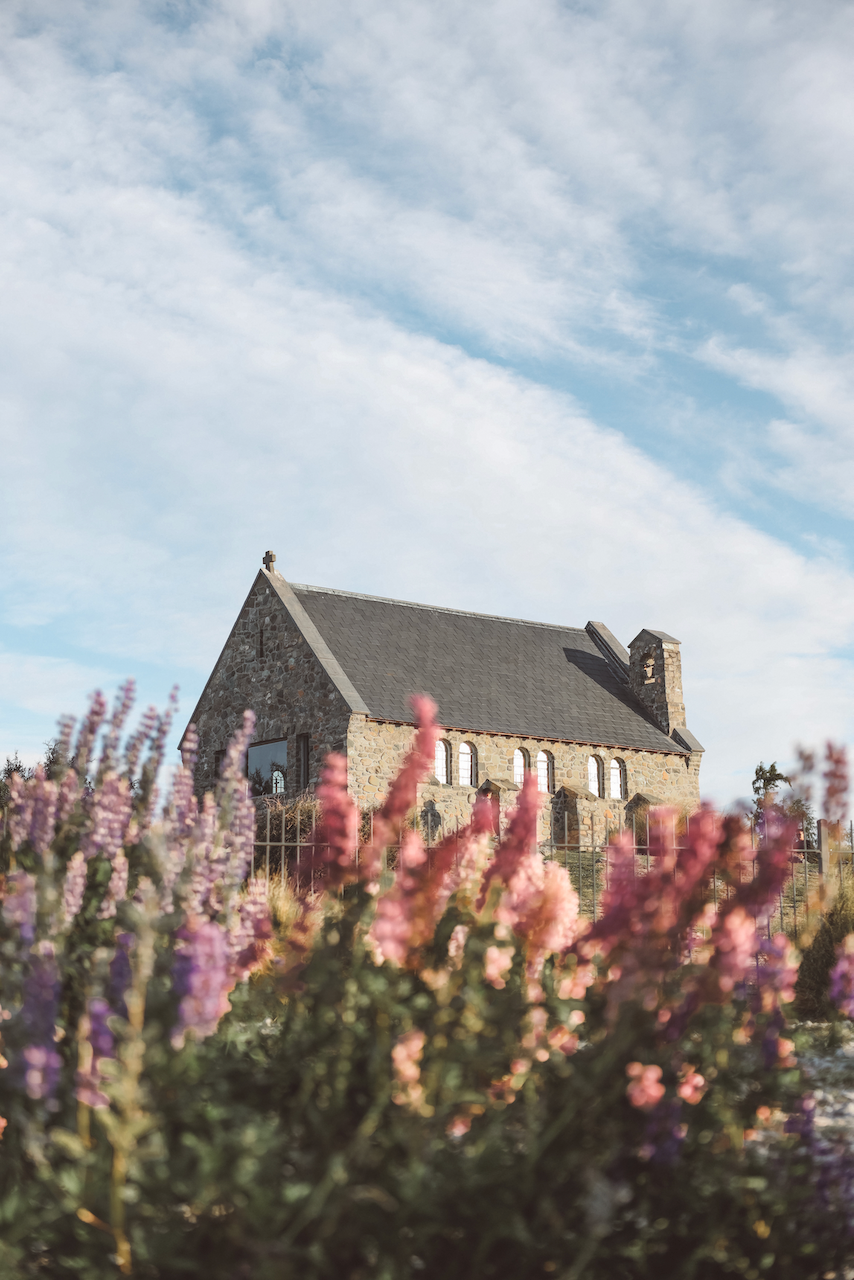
(533, 308)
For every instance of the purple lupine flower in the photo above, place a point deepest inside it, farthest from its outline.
(109, 816)
(158, 745)
(74, 887)
(201, 975)
(20, 903)
(124, 701)
(102, 1043)
(776, 977)
(137, 741)
(116, 889)
(249, 933)
(121, 974)
(67, 796)
(203, 873)
(842, 977)
(190, 748)
(20, 810)
(43, 820)
(41, 1072)
(85, 744)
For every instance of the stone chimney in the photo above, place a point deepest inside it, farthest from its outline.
(655, 676)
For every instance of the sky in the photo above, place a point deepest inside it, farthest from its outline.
(531, 308)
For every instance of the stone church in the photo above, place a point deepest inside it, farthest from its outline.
(602, 727)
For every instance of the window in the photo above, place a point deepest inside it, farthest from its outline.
(521, 762)
(219, 756)
(468, 765)
(442, 768)
(302, 761)
(545, 771)
(619, 790)
(265, 762)
(277, 779)
(595, 776)
(260, 644)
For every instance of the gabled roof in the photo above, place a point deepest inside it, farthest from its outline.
(487, 674)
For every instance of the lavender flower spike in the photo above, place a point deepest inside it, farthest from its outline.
(74, 888)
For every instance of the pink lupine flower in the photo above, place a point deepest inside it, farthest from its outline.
(496, 962)
(335, 840)
(776, 977)
(517, 866)
(457, 945)
(394, 922)
(692, 1086)
(73, 888)
(735, 942)
(201, 973)
(406, 1057)
(552, 923)
(116, 889)
(20, 903)
(645, 1089)
(403, 790)
(109, 814)
(842, 977)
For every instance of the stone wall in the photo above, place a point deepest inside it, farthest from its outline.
(375, 751)
(655, 676)
(281, 680)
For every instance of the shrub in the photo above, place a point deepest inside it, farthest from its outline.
(443, 1070)
(812, 998)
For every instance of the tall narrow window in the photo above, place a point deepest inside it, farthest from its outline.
(545, 771)
(521, 762)
(468, 765)
(595, 776)
(260, 644)
(277, 782)
(619, 790)
(441, 769)
(302, 760)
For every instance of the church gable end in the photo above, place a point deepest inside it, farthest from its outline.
(268, 665)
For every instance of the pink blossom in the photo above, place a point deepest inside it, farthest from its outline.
(67, 796)
(517, 865)
(41, 1072)
(43, 821)
(85, 744)
(457, 945)
(403, 790)
(552, 922)
(692, 1086)
(135, 744)
(406, 1057)
(645, 1089)
(777, 976)
(395, 919)
(496, 962)
(335, 840)
(121, 710)
(735, 943)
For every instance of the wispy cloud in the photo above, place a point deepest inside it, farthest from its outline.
(428, 298)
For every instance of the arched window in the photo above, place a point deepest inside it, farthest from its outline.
(521, 762)
(595, 776)
(619, 789)
(277, 778)
(468, 765)
(443, 760)
(545, 771)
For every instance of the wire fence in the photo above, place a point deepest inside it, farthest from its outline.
(284, 842)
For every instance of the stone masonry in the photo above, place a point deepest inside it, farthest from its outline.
(275, 663)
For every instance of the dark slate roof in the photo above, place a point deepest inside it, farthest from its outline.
(488, 675)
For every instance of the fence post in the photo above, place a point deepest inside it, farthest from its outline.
(823, 847)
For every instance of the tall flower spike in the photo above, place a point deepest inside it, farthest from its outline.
(109, 815)
(43, 821)
(403, 790)
(74, 888)
(137, 741)
(517, 865)
(835, 783)
(85, 744)
(333, 843)
(121, 710)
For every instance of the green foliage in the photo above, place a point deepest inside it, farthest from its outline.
(811, 990)
(766, 781)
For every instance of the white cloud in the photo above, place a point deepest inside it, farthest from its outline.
(250, 265)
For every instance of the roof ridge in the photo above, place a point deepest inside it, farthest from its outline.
(434, 608)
